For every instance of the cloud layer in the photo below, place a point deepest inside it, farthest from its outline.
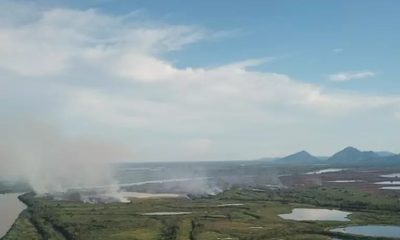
(111, 76)
(347, 76)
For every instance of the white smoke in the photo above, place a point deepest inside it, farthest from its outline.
(53, 162)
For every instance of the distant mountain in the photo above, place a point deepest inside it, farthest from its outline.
(351, 155)
(385, 154)
(391, 160)
(302, 157)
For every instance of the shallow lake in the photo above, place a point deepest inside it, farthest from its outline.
(391, 188)
(388, 183)
(345, 181)
(371, 230)
(150, 195)
(315, 214)
(230, 204)
(10, 208)
(392, 175)
(327, 170)
(165, 213)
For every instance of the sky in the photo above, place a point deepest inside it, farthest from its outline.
(206, 80)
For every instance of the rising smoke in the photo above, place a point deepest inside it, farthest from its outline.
(52, 162)
(81, 168)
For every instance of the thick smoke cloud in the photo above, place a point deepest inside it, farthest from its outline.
(81, 168)
(52, 162)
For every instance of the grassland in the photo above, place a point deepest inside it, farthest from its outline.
(257, 218)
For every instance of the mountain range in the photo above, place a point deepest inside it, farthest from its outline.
(349, 156)
(300, 157)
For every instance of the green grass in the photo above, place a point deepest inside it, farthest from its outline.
(185, 230)
(257, 218)
(138, 234)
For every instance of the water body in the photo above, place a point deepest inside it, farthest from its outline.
(141, 183)
(391, 188)
(345, 181)
(165, 213)
(327, 170)
(150, 195)
(315, 214)
(10, 208)
(230, 204)
(392, 175)
(388, 183)
(371, 230)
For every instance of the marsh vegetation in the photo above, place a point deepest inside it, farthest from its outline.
(237, 213)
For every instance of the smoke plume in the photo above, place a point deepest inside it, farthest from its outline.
(51, 161)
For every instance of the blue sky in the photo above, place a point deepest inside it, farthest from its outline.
(206, 80)
(302, 35)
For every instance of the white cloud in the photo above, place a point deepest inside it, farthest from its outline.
(55, 39)
(109, 74)
(347, 76)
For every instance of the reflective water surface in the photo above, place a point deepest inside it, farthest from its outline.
(388, 183)
(391, 188)
(10, 208)
(310, 214)
(327, 170)
(345, 181)
(392, 175)
(165, 213)
(371, 230)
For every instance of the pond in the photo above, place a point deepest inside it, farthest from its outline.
(371, 230)
(392, 175)
(315, 214)
(165, 213)
(327, 170)
(10, 208)
(150, 195)
(230, 204)
(391, 188)
(388, 183)
(345, 181)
